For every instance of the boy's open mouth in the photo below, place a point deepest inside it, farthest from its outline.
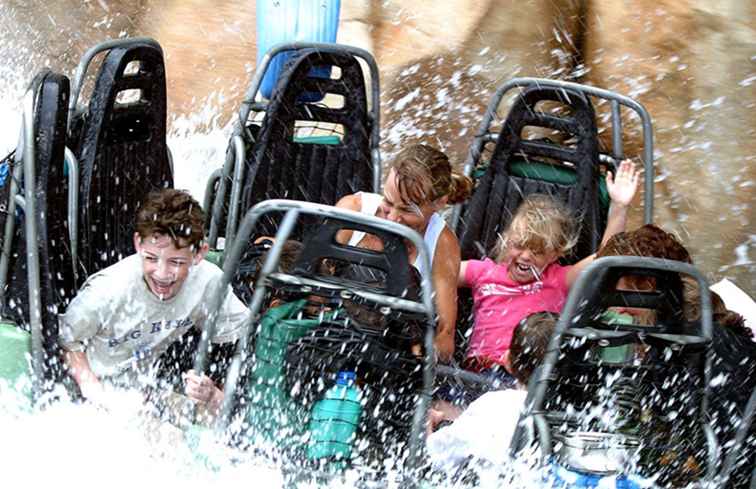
(162, 287)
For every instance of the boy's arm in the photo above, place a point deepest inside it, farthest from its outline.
(202, 389)
(230, 318)
(78, 325)
(622, 188)
(79, 369)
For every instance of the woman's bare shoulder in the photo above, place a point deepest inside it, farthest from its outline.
(352, 202)
(447, 247)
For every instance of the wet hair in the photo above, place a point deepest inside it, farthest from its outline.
(173, 213)
(540, 224)
(289, 253)
(530, 341)
(424, 174)
(652, 241)
(648, 240)
(719, 312)
(401, 333)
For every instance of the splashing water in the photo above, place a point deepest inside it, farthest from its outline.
(118, 443)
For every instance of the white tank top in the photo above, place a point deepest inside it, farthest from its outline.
(436, 225)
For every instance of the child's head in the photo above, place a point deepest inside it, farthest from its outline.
(530, 342)
(401, 333)
(542, 230)
(169, 237)
(289, 253)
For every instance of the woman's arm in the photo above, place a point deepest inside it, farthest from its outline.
(351, 202)
(446, 267)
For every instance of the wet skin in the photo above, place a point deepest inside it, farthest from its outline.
(164, 266)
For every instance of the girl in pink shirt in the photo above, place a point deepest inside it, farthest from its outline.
(526, 278)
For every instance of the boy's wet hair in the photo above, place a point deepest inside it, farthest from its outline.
(541, 224)
(173, 213)
(530, 342)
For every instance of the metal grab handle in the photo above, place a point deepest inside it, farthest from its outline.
(481, 136)
(230, 265)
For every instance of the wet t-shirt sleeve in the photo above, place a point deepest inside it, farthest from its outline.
(556, 277)
(81, 321)
(475, 270)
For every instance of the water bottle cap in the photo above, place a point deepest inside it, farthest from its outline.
(346, 378)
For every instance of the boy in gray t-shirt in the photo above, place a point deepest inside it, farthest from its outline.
(126, 315)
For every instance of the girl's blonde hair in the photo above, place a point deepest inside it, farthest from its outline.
(540, 224)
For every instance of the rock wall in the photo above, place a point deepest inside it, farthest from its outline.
(691, 63)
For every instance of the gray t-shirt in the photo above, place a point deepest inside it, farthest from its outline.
(122, 325)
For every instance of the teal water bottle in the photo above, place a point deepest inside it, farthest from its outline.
(334, 419)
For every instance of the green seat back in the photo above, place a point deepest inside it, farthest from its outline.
(15, 354)
(549, 173)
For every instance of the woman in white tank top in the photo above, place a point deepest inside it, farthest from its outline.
(420, 182)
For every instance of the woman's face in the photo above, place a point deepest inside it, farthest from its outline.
(397, 207)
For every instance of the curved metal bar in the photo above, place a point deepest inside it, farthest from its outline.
(170, 159)
(220, 196)
(576, 298)
(749, 417)
(32, 255)
(230, 265)
(232, 220)
(258, 295)
(87, 58)
(73, 208)
(207, 200)
(21, 202)
(10, 225)
(476, 148)
(374, 113)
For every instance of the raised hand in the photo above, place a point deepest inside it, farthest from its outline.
(623, 185)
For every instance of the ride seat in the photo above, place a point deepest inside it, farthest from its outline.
(566, 166)
(282, 164)
(122, 150)
(612, 378)
(57, 284)
(500, 190)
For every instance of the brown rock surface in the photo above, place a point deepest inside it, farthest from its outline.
(692, 63)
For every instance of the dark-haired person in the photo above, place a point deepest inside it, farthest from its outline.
(126, 315)
(733, 366)
(419, 184)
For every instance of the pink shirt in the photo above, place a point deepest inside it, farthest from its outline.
(500, 304)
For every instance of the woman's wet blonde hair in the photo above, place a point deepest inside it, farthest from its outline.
(424, 174)
(540, 224)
